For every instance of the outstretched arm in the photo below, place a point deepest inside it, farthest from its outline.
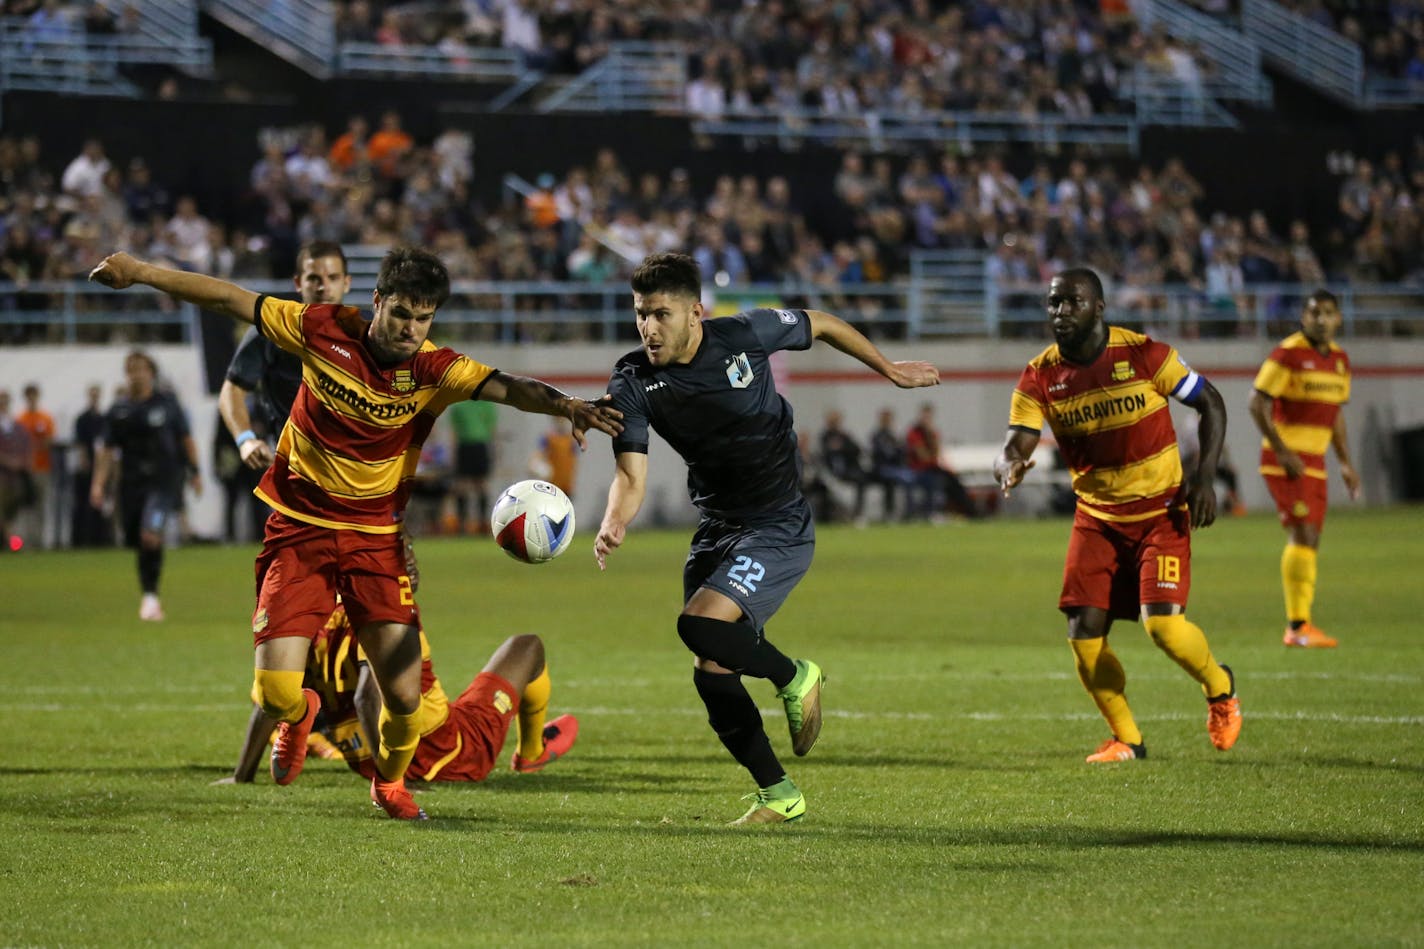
(1340, 440)
(851, 341)
(625, 498)
(540, 398)
(1201, 489)
(1013, 461)
(120, 271)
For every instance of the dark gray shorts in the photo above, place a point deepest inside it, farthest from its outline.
(756, 563)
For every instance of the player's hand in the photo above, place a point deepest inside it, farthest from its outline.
(1352, 480)
(1201, 503)
(196, 483)
(256, 454)
(599, 414)
(1291, 463)
(1010, 473)
(117, 271)
(914, 375)
(96, 497)
(610, 538)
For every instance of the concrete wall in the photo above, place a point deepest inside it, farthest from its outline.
(971, 405)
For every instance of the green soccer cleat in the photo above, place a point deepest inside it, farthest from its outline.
(772, 810)
(802, 698)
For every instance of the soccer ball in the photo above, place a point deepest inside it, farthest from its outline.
(533, 521)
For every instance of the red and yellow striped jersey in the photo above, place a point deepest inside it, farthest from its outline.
(1308, 388)
(350, 447)
(333, 670)
(1112, 422)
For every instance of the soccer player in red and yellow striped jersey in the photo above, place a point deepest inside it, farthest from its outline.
(459, 739)
(1103, 391)
(371, 390)
(1298, 404)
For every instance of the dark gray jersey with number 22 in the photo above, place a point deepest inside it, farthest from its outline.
(721, 412)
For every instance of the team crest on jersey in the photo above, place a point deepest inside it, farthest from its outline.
(403, 381)
(1122, 371)
(739, 371)
(502, 701)
(1300, 510)
(787, 317)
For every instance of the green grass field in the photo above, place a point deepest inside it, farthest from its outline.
(949, 803)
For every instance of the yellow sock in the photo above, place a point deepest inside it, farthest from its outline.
(1184, 641)
(1298, 578)
(1103, 677)
(533, 703)
(399, 736)
(279, 692)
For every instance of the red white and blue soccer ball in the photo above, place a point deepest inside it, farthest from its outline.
(533, 521)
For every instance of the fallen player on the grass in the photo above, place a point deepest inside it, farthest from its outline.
(458, 739)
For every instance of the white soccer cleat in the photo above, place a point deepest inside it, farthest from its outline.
(150, 609)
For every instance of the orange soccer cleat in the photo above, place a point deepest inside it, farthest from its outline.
(289, 748)
(1223, 716)
(1309, 636)
(559, 737)
(1115, 750)
(394, 798)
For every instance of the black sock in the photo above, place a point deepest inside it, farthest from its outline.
(736, 646)
(1296, 624)
(150, 565)
(734, 717)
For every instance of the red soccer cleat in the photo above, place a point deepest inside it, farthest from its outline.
(395, 799)
(559, 737)
(289, 748)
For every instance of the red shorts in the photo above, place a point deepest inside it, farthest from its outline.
(1119, 567)
(1300, 500)
(464, 748)
(303, 567)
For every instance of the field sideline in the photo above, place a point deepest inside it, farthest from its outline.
(948, 799)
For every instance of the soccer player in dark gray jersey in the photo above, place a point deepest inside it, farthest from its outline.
(721, 412)
(706, 387)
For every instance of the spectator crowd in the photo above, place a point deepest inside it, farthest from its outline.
(374, 184)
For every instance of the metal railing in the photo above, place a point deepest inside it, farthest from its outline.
(302, 32)
(1162, 100)
(469, 63)
(957, 301)
(1394, 93)
(76, 63)
(634, 76)
(1235, 61)
(881, 130)
(1305, 50)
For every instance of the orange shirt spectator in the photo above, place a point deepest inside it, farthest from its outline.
(40, 425)
(389, 146)
(352, 147)
(557, 459)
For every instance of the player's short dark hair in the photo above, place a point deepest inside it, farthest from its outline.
(1085, 274)
(315, 250)
(415, 274)
(677, 274)
(140, 354)
(1322, 295)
